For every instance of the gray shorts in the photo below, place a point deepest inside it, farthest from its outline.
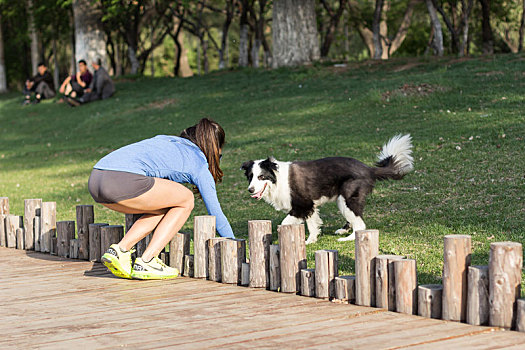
(110, 186)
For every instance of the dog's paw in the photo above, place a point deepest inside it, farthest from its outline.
(310, 241)
(341, 231)
(348, 238)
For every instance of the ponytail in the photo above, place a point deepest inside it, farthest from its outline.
(210, 138)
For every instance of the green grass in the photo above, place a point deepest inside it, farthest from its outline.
(468, 134)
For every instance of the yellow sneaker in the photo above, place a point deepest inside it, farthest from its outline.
(153, 270)
(118, 262)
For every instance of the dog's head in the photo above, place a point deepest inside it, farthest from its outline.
(261, 175)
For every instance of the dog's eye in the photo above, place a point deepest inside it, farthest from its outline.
(260, 177)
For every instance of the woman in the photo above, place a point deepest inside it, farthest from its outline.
(145, 178)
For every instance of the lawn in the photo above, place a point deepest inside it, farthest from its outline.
(465, 116)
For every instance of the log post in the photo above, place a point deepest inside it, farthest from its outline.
(326, 270)
(48, 219)
(406, 286)
(37, 227)
(95, 247)
(292, 257)
(245, 274)
(366, 249)
(385, 281)
(4, 205)
(130, 219)
(345, 288)
(74, 248)
(478, 295)
(110, 234)
(505, 264)
(260, 238)
(140, 247)
(233, 254)
(274, 270)
(179, 248)
(188, 265)
(31, 209)
(164, 257)
(85, 216)
(429, 300)
(308, 282)
(13, 222)
(520, 315)
(204, 229)
(214, 258)
(20, 238)
(65, 233)
(3, 233)
(53, 248)
(456, 254)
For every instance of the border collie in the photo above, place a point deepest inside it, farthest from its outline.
(300, 188)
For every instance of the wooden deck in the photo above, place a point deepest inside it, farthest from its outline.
(52, 303)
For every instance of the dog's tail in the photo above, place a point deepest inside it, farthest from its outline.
(395, 160)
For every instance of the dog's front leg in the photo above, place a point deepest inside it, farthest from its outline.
(292, 220)
(314, 223)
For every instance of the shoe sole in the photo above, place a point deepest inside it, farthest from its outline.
(114, 266)
(139, 276)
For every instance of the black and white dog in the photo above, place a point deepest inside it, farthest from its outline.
(299, 188)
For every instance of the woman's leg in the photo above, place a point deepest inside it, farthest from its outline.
(167, 206)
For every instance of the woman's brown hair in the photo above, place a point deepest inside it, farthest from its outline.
(210, 137)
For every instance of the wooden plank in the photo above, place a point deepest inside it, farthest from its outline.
(31, 209)
(85, 216)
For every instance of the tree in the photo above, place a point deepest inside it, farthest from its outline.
(486, 28)
(334, 16)
(457, 22)
(295, 37)
(3, 79)
(437, 32)
(33, 36)
(258, 23)
(90, 40)
(243, 34)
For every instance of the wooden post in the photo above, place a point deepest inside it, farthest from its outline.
(214, 258)
(164, 257)
(292, 257)
(245, 274)
(140, 247)
(429, 300)
(520, 315)
(233, 254)
(505, 264)
(110, 234)
(4, 205)
(95, 247)
(31, 209)
(326, 270)
(130, 219)
(406, 286)
(478, 295)
(179, 248)
(85, 216)
(37, 227)
(260, 238)
(13, 222)
(3, 233)
(366, 249)
(204, 229)
(308, 282)
(275, 271)
(345, 288)
(188, 265)
(48, 220)
(65, 233)
(74, 248)
(385, 281)
(53, 248)
(20, 238)
(456, 254)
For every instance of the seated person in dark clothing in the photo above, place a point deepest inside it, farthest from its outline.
(74, 85)
(41, 85)
(101, 87)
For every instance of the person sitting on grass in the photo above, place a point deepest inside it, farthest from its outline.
(41, 85)
(101, 86)
(74, 85)
(146, 178)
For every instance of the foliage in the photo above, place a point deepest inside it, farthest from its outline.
(465, 117)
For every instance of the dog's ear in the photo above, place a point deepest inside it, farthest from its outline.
(247, 165)
(273, 162)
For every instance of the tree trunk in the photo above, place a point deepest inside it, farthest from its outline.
(55, 59)
(3, 79)
(465, 9)
(295, 38)
(243, 35)
(332, 27)
(223, 52)
(152, 62)
(522, 28)
(437, 42)
(205, 56)
(33, 35)
(486, 34)
(403, 28)
(73, 68)
(90, 41)
(135, 64)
